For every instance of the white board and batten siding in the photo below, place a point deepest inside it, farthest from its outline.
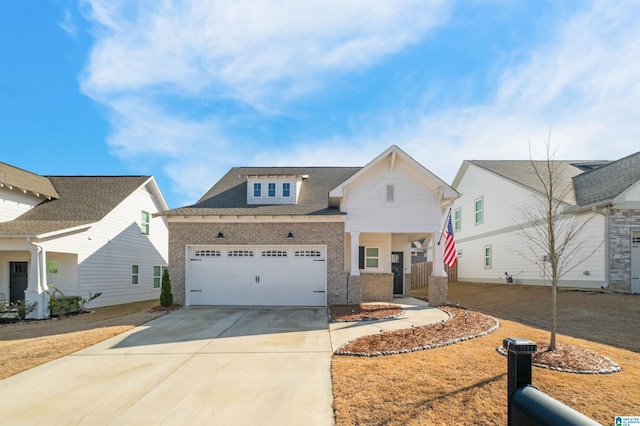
(258, 275)
(413, 209)
(503, 205)
(107, 251)
(14, 202)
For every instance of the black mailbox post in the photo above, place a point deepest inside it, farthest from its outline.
(526, 404)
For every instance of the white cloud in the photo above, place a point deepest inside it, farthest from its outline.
(584, 84)
(68, 24)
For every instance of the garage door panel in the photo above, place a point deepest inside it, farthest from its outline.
(257, 275)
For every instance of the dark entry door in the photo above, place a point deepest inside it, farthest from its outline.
(17, 280)
(397, 267)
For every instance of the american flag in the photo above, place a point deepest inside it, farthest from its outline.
(450, 254)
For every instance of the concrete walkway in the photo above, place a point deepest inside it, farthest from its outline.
(416, 312)
(199, 366)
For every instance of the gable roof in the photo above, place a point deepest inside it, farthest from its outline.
(607, 182)
(448, 193)
(229, 195)
(83, 200)
(522, 172)
(26, 181)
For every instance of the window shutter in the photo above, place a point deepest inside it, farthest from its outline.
(360, 257)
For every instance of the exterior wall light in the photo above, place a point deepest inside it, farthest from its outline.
(290, 236)
(220, 236)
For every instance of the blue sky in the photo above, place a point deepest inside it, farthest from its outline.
(186, 90)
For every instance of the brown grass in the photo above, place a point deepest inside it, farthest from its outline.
(27, 345)
(466, 383)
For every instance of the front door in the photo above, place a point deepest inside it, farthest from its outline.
(397, 267)
(17, 280)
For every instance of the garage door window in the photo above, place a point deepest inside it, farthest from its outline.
(207, 253)
(240, 253)
(274, 253)
(307, 253)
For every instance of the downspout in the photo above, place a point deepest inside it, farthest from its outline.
(606, 212)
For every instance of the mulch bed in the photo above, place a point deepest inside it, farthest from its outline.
(462, 325)
(570, 359)
(169, 308)
(363, 312)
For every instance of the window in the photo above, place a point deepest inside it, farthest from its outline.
(271, 190)
(286, 190)
(257, 190)
(157, 276)
(371, 257)
(487, 257)
(479, 210)
(391, 189)
(135, 269)
(144, 224)
(207, 253)
(240, 253)
(273, 253)
(307, 253)
(457, 220)
(52, 266)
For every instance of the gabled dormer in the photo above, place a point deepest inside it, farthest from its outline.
(274, 189)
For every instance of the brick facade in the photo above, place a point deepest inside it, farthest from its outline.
(330, 234)
(621, 224)
(377, 287)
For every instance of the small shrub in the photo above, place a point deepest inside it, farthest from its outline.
(20, 308)
(166, 297)
(61, 305)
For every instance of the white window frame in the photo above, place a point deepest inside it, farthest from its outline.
(457, 219)
(478, 211)
(158, 277)
(488, 257)
(286, 189)
(257, 186)
(272, 186)
(135, 276)
(145, 223)
(368, 257)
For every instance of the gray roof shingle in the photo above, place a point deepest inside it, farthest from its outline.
(523, 172)
(23, 179)
(83, 200)
(607, 182)
(229, 195)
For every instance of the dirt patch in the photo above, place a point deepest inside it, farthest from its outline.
(608, 318)
(29, 344)
(363, 312)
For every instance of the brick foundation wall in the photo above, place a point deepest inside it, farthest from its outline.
(620, 224)
(377, 287)
(331, 234)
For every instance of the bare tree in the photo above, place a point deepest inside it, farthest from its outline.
(550, 232)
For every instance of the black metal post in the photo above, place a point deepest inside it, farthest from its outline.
(519, 353)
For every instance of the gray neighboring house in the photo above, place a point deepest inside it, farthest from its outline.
(80, 234)
(493, 192)
(614, 191)
(307, 236)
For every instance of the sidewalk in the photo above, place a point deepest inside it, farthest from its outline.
(416, 312)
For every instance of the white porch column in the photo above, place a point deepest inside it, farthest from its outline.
(438, 256)
(37, 283)
(355, 241)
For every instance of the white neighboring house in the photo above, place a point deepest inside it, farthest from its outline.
(80, 234)
(307, 236)
(493, 194)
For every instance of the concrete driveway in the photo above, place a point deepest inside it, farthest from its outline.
(196, 366)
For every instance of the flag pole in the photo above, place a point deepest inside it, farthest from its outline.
(445, 225)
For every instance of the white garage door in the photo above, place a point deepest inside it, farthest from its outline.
(256, 275)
